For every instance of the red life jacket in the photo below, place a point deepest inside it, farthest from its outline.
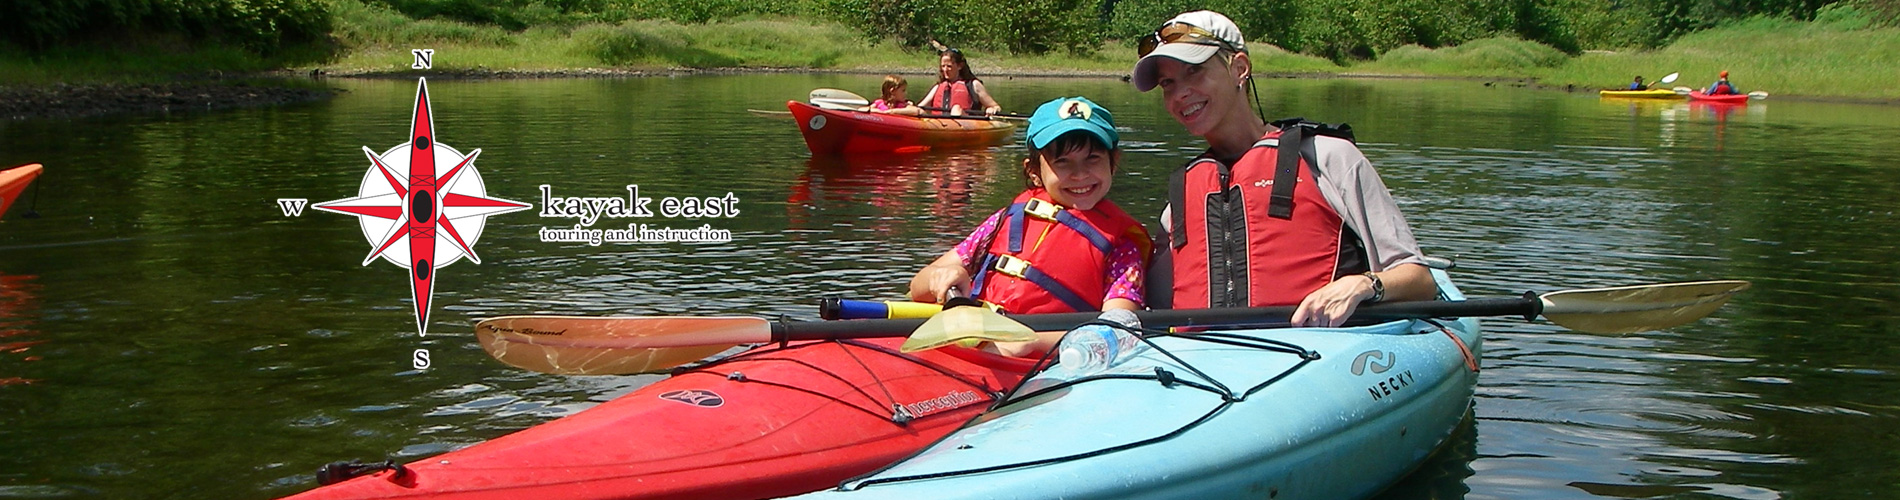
(1242, 237)
(1048, 259)
(953, 93)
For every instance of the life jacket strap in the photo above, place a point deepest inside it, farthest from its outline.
(1017, 267)
(1053, 213)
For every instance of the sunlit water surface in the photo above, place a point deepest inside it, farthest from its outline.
(167, 332)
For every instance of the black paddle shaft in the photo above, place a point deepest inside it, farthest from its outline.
(1528, 307)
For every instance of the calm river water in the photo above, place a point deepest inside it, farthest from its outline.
(167, 332)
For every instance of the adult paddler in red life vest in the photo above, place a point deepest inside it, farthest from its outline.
(957, 91)
(1060, 246)
(1239, 236)
(1722, 86)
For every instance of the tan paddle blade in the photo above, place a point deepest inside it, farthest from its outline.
(1639, 308)
(572, 345)
(970, 322)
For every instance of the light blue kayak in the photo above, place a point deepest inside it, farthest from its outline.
(1281, 413)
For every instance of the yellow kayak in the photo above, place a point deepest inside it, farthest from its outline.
(1641, 94)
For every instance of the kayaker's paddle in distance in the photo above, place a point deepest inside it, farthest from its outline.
(838, 99)
(1669, 78)
(596, 345)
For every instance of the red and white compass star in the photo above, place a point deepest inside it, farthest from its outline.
(441, 195)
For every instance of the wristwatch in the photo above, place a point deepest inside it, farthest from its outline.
(1378, 287)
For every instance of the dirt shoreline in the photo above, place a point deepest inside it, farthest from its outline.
(67, 101)
(273, 89)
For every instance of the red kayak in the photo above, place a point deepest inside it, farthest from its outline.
(766, 423)
(13, 181)
(830, 131)
(1722, 98)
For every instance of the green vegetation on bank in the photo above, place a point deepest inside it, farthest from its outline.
(1849, 49)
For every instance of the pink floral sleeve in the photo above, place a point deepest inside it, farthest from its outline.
(978, 241)
(1125, 271)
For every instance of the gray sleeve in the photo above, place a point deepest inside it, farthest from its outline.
(1355, 191)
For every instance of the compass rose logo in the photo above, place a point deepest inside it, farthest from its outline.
(422, 205)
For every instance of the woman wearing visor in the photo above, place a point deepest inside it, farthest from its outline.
(1333, 241)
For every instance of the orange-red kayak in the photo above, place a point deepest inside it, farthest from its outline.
(771, 422)
(1719, 98)
(13, 181)
(830, 131)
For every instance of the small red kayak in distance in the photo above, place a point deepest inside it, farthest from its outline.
(13, 181)
(833, 131)
(1722, 98)
(771, 422)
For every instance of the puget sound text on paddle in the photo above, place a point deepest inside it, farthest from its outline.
(590, 209)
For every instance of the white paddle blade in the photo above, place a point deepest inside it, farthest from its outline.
(1669, 78)
(1639, 308)
(839, 104)
(569, 345)
(837, 99)
(1759, 94)
(959, 323)
(1683, 90)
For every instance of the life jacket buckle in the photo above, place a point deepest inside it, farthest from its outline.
(1042, 209)
(1011, 265)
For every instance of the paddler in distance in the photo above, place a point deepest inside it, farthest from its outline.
(958, 91)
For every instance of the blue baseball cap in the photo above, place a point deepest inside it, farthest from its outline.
(1069, 114)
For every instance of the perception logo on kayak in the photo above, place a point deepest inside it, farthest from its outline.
(421, 205)
(695, 397)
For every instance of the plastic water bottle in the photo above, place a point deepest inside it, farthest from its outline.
(1094, 348)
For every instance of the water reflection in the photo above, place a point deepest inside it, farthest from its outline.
(943, 184)
(19, 313)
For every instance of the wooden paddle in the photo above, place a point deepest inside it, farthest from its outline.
(578, 345)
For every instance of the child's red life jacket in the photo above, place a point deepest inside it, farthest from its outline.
(1048, 259)
(1243, 237)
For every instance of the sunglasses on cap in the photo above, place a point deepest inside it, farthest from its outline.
(1179, 32)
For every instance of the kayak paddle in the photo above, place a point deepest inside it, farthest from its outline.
(1669, 78)
(837, 99)
(585, 345)
(1759, 94)
(963, 318)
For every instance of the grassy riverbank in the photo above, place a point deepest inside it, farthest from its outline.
(1840, 55)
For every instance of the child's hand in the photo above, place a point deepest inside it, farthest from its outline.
(932, 284)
